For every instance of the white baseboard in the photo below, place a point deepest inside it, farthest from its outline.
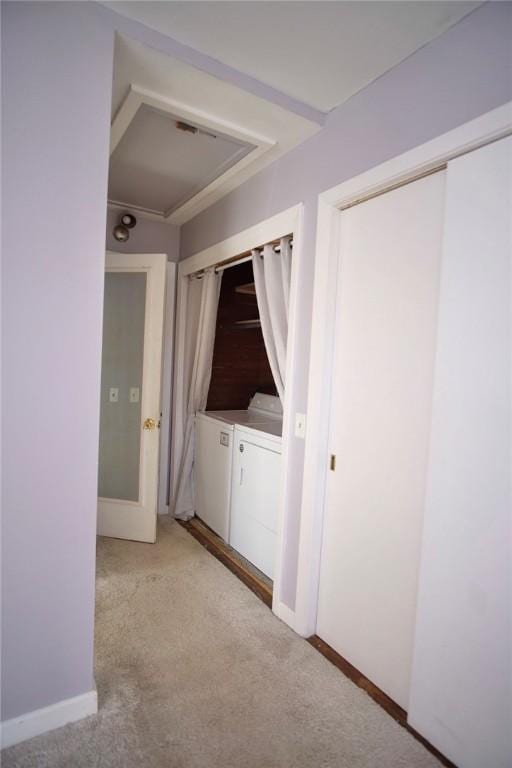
(47, 718)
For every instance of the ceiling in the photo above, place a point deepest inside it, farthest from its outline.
(171, 174)
(320, 53)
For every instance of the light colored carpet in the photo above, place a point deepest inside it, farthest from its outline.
(193, 671)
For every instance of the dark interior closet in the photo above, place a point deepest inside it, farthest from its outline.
(240, 363)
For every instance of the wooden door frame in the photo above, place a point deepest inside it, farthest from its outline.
(284, 223)
(399, 170)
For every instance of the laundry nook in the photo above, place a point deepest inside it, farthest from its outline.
(235, 481)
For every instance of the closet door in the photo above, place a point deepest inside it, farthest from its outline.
(461, 694)
(388, 284)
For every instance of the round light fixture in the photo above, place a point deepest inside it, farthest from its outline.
(128, 220)
(121, 233)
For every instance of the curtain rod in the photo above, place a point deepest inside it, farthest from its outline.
(242, 257)
(241, 260)
(247, 255)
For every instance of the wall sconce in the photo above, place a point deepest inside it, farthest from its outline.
(121, 231)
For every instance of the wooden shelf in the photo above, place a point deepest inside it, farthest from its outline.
(256, 323)
(248, 289)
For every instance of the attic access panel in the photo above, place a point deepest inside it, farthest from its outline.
(156, 167)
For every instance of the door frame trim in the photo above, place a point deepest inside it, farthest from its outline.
(426, 157)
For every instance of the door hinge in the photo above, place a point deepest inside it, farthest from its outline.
(332, 462)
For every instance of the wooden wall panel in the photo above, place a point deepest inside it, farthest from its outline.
(240, 363)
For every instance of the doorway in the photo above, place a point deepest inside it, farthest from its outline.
(231, 466)
(240, 373)
(238, 247)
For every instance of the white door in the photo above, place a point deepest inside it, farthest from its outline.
(387, 300)
(461, 694)
(130, 395)
(255, 500)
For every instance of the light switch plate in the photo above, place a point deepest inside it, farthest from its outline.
(300, 425)
(113, 395)
(134, 394)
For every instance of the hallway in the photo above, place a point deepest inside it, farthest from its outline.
(193, 671)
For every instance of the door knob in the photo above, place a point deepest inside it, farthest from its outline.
(151, 424)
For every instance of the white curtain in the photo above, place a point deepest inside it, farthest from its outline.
(198, 390)
(272, 279)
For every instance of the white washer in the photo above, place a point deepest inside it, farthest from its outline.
(255, 489)
(214, 453)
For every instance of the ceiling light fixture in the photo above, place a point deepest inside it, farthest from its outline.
(121, 231)
(129, 220)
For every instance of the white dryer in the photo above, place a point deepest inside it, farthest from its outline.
(255, 490)
(214, 455)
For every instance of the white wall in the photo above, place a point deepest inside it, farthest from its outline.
(461, 685)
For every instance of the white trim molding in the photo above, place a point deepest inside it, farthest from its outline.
(420, 160)
(281, 224)
(40, 721)
(136, 97)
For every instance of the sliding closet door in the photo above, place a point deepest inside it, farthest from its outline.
(461, 696)
(388, 285)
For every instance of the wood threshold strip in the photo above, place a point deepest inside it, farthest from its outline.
(381, 698)
(216, 547)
